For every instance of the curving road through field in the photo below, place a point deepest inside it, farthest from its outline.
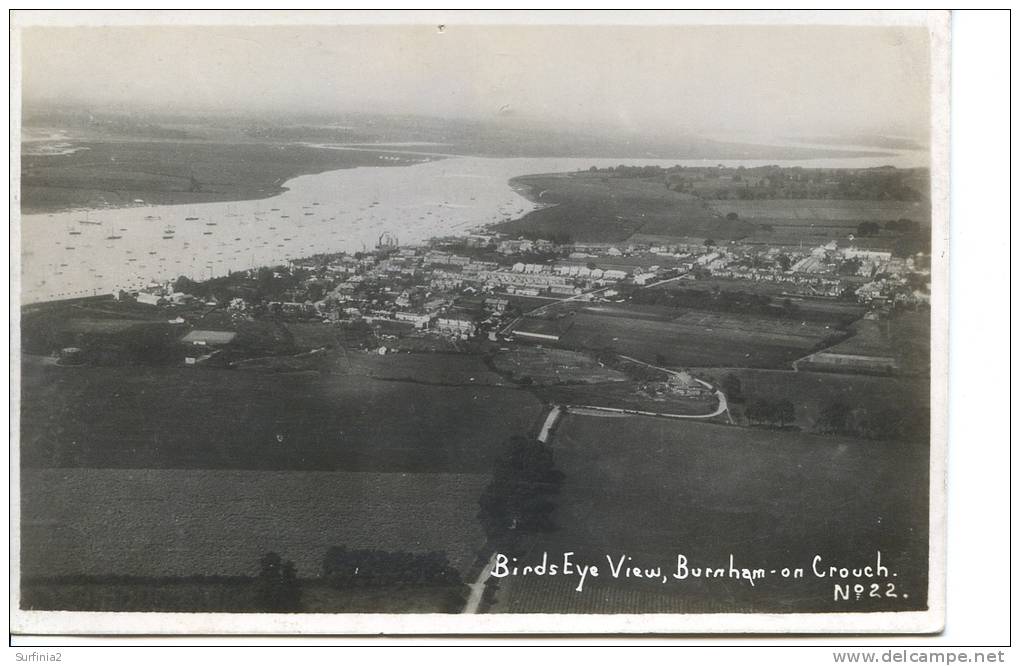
(722, 408)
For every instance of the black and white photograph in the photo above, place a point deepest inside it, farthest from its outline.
(355, 323)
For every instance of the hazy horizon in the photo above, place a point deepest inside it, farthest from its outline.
(747, 81)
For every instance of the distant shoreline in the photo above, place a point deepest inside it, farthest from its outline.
(79, 176)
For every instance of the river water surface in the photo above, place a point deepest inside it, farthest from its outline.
(83, 253)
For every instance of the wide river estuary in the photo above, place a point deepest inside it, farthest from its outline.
(88, 252)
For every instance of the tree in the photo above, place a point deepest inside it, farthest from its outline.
(867, 228)
(520, 496)
(757, 411)
(784, 412)
(277, 587)
(184, 285)
(732, 388)
(834, 417)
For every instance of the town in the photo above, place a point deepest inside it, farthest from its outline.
(486, 285)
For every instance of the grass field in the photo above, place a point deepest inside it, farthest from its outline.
(823, 211)
(427, 368)
(693, 338)
(818, 221)
(181, 523)
(554, 366)
(652, 488)
(200, 418)
(115, 173)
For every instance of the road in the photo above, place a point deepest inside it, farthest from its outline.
(575, 297)
(639, 412)
(550, 421)
(666, 281)
(723, 406)
(478, 587)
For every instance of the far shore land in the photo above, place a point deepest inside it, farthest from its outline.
(60, 173)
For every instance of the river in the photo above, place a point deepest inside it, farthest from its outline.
(83, 253)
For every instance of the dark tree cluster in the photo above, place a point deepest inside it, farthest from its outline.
(868, 229)
(838, 418)
(520, 497)
(771, 412)
(732, 387)
(903, 226)
(276, 587)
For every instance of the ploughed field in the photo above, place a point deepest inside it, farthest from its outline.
(652, 488)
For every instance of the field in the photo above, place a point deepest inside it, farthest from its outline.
(115, 173)
(170, 473)
(554, 366)
(199, 418)
(594, 208)
(811, 392)
(177, 595)
(170, 522)
(817, 221)
(652, 488)
(693, 338)
(823, 211)
(440, 369)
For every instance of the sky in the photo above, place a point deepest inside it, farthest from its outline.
(735, 80)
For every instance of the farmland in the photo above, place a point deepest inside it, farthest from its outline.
(906, 336)
(80, 527)
(789, 222)
(653, 488)
(361, 451)
(197, 418)
(801, 212)
(219, 522)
